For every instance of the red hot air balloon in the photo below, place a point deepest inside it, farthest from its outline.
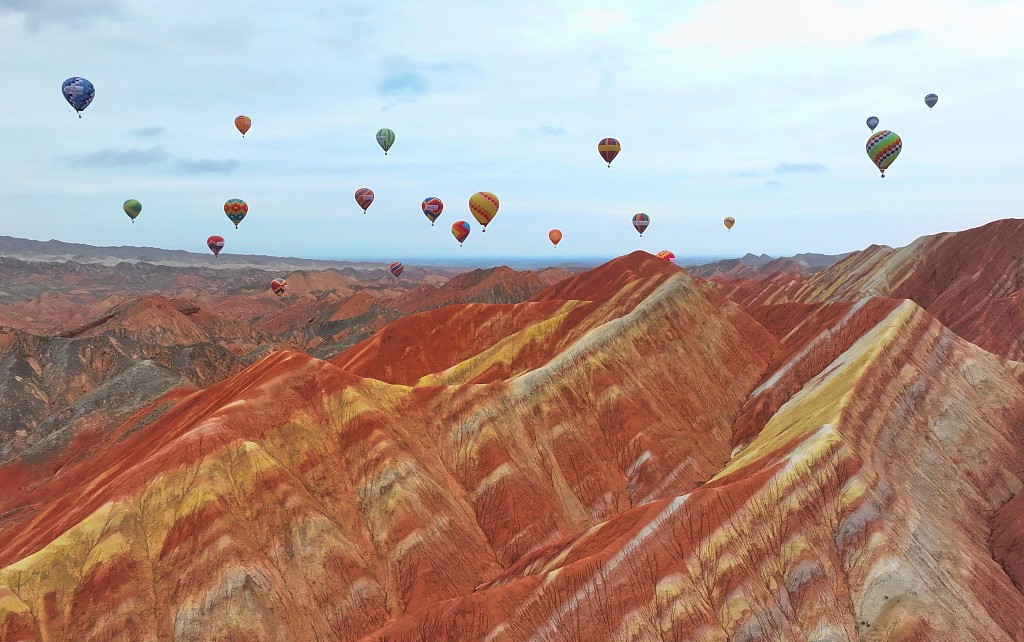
(396, 268)
(460, 230)
(667, 256)
(364, 196)
(555, 236)
(216, 244)
(277, 286)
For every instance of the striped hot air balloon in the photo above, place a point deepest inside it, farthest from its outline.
(640, 222)
(364, 196)
(385, 138)
(396, 268)
(432, 207)
(608, 148)
(883, 147)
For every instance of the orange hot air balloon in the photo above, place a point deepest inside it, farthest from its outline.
(555, 236)
(242, 124)
(666, 255)
(484, 207)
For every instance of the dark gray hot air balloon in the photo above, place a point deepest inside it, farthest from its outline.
(930, 100)
(872, 122)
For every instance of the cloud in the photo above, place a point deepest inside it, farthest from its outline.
(799, 168)
(406, 80)
(70, 13)
(899, 37)
(148, 132)
(118, 157)
(207, 166)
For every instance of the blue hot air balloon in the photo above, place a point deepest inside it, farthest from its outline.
(79, 92)
(872, 122)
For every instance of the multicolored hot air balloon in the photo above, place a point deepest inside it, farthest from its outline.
(608, 148)
(132, 208)
(883, 147)
(555, 236)
(277, 286)
(930, 100)
(364, 197)
(484, 207)
(385, 138)
(640, 222)
(236, 209)
(242, 124)
(460, 230)
(729, 222)
(665, 255)
(396, 268)
(872, 122)
(216, 244)
(79, 92)
(432, 207)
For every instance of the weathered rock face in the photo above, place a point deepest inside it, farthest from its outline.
(628, 455)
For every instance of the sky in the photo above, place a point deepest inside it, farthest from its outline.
(738, 108)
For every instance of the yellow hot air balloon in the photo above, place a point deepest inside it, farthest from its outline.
(484, 207)
(729, 222)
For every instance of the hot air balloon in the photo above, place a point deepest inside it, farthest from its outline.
(608, 148)
(396, 268)
(216, 244)
(484, 207)
(277, 286)
(640, 222)
(79, 92)
(242, 124)
(460, 230)
(667, 256)
(729, 222)
(132, 208)
(883, 147)
(364, 196)
(432, 207)
(930, 100)
(872, 122)
(385, 138)
(236, 209)
(555, 236)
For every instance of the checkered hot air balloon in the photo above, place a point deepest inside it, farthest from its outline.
(79, 93)
(277, 286)
(432, 207)
(883, 147)
(396, 268)
(608, 148)
(484, 207)
(236, 209)
(460, 230)
(640, 222)
(216, 244)
(364, 197)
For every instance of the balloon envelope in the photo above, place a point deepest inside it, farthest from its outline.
(872, 123)
(555, 236)
(236, 209)
(665, 255)
(242, 124)
(364, 196)
(729, 222)
(216, 244)
(132, 208)
(883, 147)
(460, 230)
(640, 222)
(930, 100)
(79, 92)
(277, 286)
(385, 138)
(396, 268)
(432, 207)
(484, 207)
(608, 148)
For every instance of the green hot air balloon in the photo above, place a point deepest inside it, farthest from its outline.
(883, 147)
(385, 138)
(132, 208)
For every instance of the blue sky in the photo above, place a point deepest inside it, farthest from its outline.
(730, 108)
